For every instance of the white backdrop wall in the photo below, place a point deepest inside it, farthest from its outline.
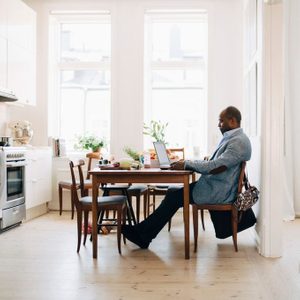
(224, 68)
(292, 79)
(3, 117)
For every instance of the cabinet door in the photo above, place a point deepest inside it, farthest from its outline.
(30, 78)
(17, 31)
(38, 177)
(21, 51)
(16, 71)
(3, 18)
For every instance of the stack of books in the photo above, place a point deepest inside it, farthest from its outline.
(58, 147)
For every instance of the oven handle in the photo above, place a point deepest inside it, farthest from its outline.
(16, 164)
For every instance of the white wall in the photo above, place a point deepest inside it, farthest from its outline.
(293, 75)
(224, 69)
(3, 118)
(272, 191)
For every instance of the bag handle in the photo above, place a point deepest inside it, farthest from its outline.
(246, 181)
(242, 177)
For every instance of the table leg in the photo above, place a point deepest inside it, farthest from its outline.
(130, 211)
(186, 216)
(95, 216)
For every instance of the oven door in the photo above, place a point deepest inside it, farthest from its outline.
(15, 184)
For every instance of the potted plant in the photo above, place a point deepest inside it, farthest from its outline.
(132, 153)
(156, 129)
(90, 142)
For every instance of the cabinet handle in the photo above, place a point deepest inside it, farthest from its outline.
(34, 180)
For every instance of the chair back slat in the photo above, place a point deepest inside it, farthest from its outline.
(91, 156)
(178, 150)
(74, 183)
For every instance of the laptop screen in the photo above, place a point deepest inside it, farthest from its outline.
(161, 152)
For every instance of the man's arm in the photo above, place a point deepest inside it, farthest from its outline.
(235, 152)
(180, 165)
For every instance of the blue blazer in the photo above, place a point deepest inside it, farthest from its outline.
(220, 188)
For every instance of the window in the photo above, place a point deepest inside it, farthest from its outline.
(175, 77)
(80, 58)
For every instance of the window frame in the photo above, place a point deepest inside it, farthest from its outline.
(56, 66)
(191, 64)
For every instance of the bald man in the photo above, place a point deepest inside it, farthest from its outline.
(217, 184)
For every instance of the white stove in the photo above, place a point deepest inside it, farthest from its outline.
(12, 186)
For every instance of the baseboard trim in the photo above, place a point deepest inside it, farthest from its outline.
(36, 211)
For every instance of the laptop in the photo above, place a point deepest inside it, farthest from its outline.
(162, 155)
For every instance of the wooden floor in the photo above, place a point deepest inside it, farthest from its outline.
(38, 260)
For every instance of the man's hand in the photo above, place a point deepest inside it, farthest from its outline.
(178, 165)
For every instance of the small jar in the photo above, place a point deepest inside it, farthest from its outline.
(147, 160)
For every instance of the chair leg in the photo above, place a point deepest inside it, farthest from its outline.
(148, 203)
(106, 193)
(138, 199)
(169, 225)
(130, 212)
(100, 219)
(124, 213)
(145, 204)
(72, 205)
(234, 223)
(202, 219)
(60, 199)
(119, 220)
(86, 223)
(79, 224)
(195, 223)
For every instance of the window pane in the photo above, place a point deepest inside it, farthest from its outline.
(85, 42)
(178, 41)
(175, 66)
(85, 79)
(98, 112)
(71, 121)
(85, 104)
(176, 78)
(184, 115)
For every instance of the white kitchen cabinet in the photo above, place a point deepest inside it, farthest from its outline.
(19, 23)
(18, 71)
(3, 18)
(38, 174)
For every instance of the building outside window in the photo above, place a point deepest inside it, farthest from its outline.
(80, 57)
(176, 77)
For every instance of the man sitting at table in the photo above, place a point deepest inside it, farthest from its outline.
(218, 183)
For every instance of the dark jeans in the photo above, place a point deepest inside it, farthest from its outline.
(150, 227)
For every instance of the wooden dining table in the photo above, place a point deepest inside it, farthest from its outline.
(141, 176)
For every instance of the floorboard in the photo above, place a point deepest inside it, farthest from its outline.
(38, 260)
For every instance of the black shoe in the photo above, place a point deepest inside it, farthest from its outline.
(133, 236)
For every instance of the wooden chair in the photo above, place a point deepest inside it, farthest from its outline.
(161, 190)
(67, 184)
(138, 191)
(84, 205)
(124, 189)
(220, 207)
